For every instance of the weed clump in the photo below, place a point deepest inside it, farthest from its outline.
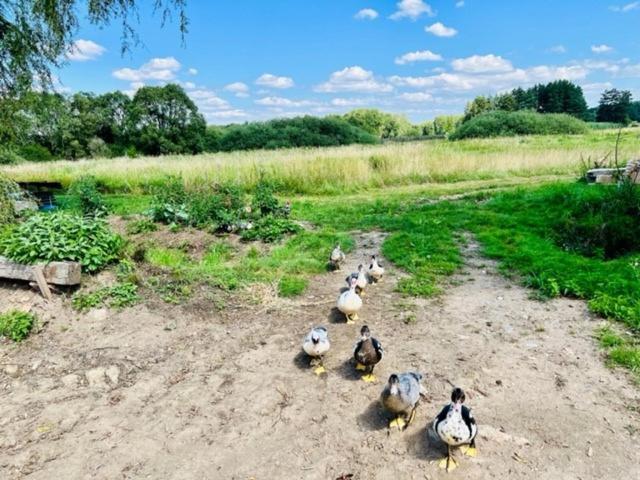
(16, 324)
(89, 200)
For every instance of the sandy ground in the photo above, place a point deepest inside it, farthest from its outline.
(169, 392)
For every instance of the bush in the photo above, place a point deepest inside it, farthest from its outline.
(98, 148)
(270, 229)
(58, 236)
(169, 204)
(499, 124)
(35, 153)
(264, 201)
(16, 324)
(9, 157)
(8, 190)
(601, 222)
(89, 200)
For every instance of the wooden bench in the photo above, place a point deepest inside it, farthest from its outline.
(54, 273)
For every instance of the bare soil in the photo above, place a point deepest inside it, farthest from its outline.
(191, 392)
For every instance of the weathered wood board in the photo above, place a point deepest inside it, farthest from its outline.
(55, 273)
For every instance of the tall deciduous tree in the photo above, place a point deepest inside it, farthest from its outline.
(614, 106)
(165, 120)
(35, 35)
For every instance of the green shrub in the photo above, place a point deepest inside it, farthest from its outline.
(270, 229)
(502, 124)
(600, 221)
(35, 153)
(144, 225)
(16, 324)
(290, 286)
(9, 157)
(8, 189)
(220, 207)
(264, 201)
(47, 237)
(89, 200)
(169, 204)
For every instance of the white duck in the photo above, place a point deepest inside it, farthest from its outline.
(316, 344)
(456, 426)
(361, 280)
(350, 303)
(375, 270)
(337, 257)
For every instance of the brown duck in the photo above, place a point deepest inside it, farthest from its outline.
(368, 353)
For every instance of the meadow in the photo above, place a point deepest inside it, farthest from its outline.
(349, 169)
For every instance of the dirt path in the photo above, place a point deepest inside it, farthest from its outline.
(174, 394)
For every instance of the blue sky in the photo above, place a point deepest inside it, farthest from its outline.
(248, 60)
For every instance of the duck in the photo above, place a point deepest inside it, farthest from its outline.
(375, 269)
(316, 344)
(368, 353)
(337, 258)
(350, 303)
(400, 397)
(456, 426)
(361, 280)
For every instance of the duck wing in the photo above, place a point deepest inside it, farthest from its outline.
(377, 346)
(468, 419)
(441, 417)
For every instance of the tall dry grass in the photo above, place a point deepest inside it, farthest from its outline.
(347, 169)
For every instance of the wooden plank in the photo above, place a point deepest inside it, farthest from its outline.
(55, 273)
(38, 272)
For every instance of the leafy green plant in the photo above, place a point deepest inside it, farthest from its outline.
(89, 200)
(169, 204)
(16, 324)
(8, 191)
(9, 157)
(121, 295)
(144, 225)
(47, 237)
(264, 201)
(290, 286)
(270, 229)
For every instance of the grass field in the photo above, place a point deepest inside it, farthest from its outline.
(348, 169)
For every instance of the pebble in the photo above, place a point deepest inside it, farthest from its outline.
(12, 370)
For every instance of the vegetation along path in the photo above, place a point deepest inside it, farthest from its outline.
(169, 392)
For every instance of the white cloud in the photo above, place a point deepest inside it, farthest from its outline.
(239, 89)
(192, 71)
(163, 69)
(83, 50)
(601, 48)
(558, 49)
(494, 82)
(353, 79)
(482, 64)
(416, 97)
(189, 85)
(439, 30)
(366, 14)
(419, 56)
(273, 81)
(625, 8)
(460, 4)
(284, 102)
(412, 9)
(350, 102)
(225, 115)
(208, 100)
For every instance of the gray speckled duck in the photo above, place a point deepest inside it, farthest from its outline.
(400, 397)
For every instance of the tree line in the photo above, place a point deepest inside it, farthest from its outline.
(561, 96)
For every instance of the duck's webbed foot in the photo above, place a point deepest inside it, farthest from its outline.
(360, 367)
(398, 422)
(319, 367)
(369, 378)
(448, 463)
(470, 450)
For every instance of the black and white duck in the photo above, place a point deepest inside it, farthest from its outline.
(361, 280)
(337, 257)
(456, 426)
(368, 353)
(316, 344)
(400, 397)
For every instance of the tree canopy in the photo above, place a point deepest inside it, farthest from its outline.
(36, 35)
(615, 106)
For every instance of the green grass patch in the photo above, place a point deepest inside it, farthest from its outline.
(121, 295)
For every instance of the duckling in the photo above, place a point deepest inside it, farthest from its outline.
(336, 258)
(368, 353)
(316, 344)
(400, 397)
(456, 426)
(350, 303)
(361, 280)
(375, 270)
